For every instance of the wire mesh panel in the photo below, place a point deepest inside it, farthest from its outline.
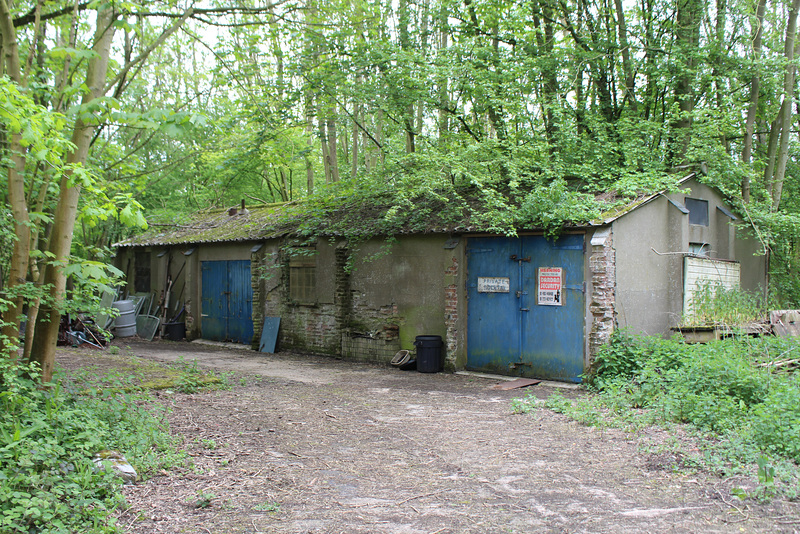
(146, 326)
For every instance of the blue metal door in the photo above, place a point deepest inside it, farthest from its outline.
(227, 301)
(517, 323)
(240, 303)
(214, 300)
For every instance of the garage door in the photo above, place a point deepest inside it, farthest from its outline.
(526, 307)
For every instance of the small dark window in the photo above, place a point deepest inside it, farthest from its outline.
(142, 277)
(698, 211)
(303, 279)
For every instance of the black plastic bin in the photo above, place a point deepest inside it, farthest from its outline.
(174, 331)
(429, 354)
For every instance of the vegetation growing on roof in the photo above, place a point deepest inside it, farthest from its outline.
(357, 211)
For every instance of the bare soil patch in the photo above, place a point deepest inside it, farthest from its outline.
(302, 444)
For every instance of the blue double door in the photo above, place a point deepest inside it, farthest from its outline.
(526, 306)
(227, 301)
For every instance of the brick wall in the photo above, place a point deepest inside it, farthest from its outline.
(369, 333)
(355, 324)
(451, 313)
(602, 264)
(304, 327)
(365, 348)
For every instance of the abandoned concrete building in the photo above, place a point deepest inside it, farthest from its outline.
(519, 306)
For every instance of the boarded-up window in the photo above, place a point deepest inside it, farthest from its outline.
(698, 211)
(303, 279)
(702, 273)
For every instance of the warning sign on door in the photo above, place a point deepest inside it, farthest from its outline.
(550, 287)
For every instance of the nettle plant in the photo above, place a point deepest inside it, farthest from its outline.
(716, 305)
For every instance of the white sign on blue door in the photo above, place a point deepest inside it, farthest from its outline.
(550, 286)
(493, 285)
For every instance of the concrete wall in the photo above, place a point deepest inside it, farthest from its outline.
(754, 259)
(647, 275)
(370, 302)
(650, 243)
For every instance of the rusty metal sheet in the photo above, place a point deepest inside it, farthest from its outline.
(516, 384)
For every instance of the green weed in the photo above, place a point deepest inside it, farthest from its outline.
(268, 507)
(48, 436)
(713, 304)
(203, 499)
(525, 404)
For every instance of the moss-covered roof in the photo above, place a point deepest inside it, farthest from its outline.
(213, 226)
(354, 216)
(348, 218)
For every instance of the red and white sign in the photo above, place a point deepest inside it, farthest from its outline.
(550, 286)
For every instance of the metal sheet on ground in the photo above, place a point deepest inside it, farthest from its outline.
(516, 384)
(269, 334)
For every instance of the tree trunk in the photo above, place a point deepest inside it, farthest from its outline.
(687, 36)
(44, 342)
(333, 156)
(786, 108)
(323, 140)
(424, 33)
(442, 83)
(755, 87)
(20, 257)
(35, 273)
(627, 66)
(356, 135)
(309, 110)
(403, 17)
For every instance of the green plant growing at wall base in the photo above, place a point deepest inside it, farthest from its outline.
(715, 305)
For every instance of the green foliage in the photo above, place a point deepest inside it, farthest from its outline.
(776, 420)
(551, 206)
(766, 489)
(192, 379)
(713, 304)
(90, 279)
(626, 356)
(526, 404)
(782, 232)
(724, 391)
(270, 507)
(203, 499)
(38, 127)
(48, 437)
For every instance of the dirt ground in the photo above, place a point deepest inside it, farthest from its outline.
(303, 444)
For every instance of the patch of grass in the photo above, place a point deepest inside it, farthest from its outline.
(133, 374)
